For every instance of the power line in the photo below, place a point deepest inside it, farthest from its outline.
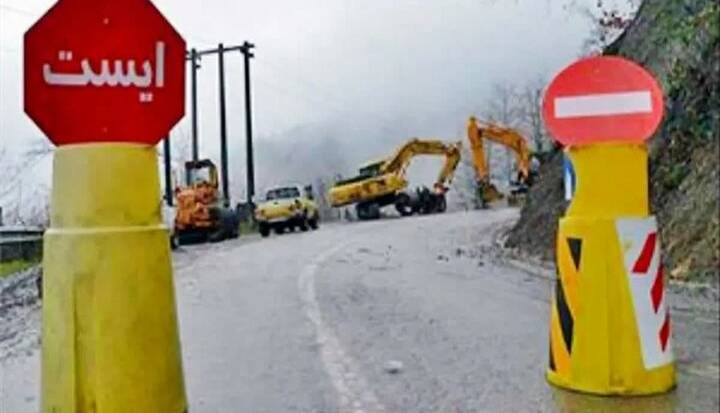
(17, 10)
(330, 95)
(311, 86)
(194, 57)
(306, 98)
(34, 13)
(202, 41)
(20, 11)
(20, 171)
(314, 89)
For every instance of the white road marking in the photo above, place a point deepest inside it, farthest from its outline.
(605, 104)
(354, 394)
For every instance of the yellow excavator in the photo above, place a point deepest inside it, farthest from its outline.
(478, 132)
(382, 183)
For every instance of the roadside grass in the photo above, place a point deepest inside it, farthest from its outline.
(247, 228)
(12, 267)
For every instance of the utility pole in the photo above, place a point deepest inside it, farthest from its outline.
(168, 171)
(194, 66)
(194, 57)
(223, 127)
(248, 54)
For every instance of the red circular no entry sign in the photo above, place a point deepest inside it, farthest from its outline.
(603, 99)
(104, 71)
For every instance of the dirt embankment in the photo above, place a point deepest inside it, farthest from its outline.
(680, 43)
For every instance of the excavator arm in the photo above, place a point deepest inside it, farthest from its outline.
(452, 159)
(402, 158)
(510, 138)
(477, 133)
(478, 151)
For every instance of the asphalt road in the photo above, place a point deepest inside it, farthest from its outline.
(401, 315)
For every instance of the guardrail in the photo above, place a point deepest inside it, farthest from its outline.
(20, 243)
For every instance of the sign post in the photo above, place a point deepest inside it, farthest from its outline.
(610, 330)
(104, 80)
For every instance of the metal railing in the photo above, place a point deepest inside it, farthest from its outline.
(20, 243)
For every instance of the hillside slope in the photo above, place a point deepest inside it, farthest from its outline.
(680, 43)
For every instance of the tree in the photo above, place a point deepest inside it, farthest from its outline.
(24, 200)
(609, 19)
(505, 109)
(530, 107)
(320, 191)
(181, 146)
(4, 183)
(464, 186)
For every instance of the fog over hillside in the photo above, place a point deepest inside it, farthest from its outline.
(335, 83)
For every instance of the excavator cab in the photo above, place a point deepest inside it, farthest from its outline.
(202, 172)
(371, 169)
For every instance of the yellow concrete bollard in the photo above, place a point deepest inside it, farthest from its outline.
(610, 329)
(110, 337)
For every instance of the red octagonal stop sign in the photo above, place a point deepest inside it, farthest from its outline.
(104, 71)
(603, 99)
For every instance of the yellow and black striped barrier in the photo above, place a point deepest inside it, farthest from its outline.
(610, 328)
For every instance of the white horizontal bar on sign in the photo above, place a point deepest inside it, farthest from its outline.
(605, 104)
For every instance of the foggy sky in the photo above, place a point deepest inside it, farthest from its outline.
(336, 82)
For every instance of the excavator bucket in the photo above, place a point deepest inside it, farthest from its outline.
(489, 193)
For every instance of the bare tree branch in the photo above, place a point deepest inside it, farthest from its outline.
(24, 203)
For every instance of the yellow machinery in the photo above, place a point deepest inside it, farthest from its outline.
(200, 215)
(477, 133)
(383, 182)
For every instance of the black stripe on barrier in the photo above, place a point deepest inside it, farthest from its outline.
(575, 245)
(552, 358)
(566, 319)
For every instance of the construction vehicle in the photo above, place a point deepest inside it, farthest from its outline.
(288, 208)
(382, 183)
(200, 214)
(168, 210)
(478, 132)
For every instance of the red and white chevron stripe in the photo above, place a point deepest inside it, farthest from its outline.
(639, 241)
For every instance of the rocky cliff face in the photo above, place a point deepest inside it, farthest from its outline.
(679, 41)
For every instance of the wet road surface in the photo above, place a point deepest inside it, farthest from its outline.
(401, 315)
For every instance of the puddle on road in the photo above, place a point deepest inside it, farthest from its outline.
(706, 370)
(570, 402)
(696, 392)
